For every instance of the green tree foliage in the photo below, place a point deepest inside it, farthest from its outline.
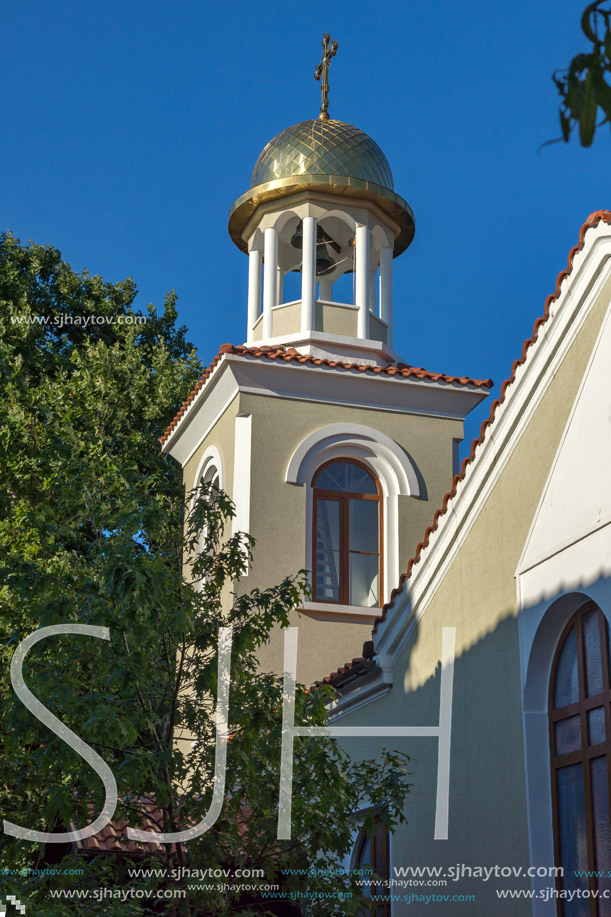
(584, 89)
(92, 530)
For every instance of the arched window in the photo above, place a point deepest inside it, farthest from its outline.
(209, 472)
(580, 737)
(372, 851)
(347, 525)
(211, 476)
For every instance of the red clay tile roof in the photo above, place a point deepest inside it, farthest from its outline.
(353, 668)
(112, 838)
(289, 355)
(593, 220)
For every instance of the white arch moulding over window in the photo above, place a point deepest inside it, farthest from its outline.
(387, 460)
(210, 469)
(209, 465)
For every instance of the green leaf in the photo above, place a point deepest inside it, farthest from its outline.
(587, 118)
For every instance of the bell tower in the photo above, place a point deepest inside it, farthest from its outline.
(322, 204)
(335, 452)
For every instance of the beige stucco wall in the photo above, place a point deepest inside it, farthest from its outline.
(377, 329)
(277, 509)
(336, 320)
(329, 318)
(488, 823)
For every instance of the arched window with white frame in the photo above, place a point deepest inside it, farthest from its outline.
(209, 471)
(394, 476)
(580, 751)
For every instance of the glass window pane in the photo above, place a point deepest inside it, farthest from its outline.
(346, 477)
(572, 831)
(327, 550)
(566, 689)
(211, 476)
(602, 828)
(364, 579)
(364, 516)
(596, 725)
(364, 860)
(360, 481)
(365, 853)
(568, 735)
(591, 639)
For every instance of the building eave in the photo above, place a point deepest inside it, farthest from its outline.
(434, 393)
(444, 537)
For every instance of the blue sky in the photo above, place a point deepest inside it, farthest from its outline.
(130, 129)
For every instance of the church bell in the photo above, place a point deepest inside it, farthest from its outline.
(324, 262)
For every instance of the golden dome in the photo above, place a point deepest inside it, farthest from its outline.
(322, 157)
(323, 148)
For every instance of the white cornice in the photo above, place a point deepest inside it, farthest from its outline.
(405, 394)
(368, 687)
(324, 384)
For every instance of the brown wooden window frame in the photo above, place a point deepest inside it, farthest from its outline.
(343, 498)
(380, 854)
(586, 753)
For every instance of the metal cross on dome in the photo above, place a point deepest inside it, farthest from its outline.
(329, 50)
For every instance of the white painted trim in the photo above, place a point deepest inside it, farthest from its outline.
(370, 687)
(254, 290)
(344, 346)
(211, 456)
(523, 565)
(385, 282)
(395, 393)
(182, 425)
(578, 293)
(553, 580)
(389, 463)
(308, 274)
(234, 374)
(242, 458)
(402, 478)
(270, 278)
(547, 622)
(333, 610)
(362, 280)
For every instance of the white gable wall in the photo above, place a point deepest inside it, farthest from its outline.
(566, 561)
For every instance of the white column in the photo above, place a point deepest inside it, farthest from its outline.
(242, 476)
(279, 286)
(308, 276)
(325, 289)
(386, 291)
(362, 280)
(372, 291)
(254, 291)
(270, 264)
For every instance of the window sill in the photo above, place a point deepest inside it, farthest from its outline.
(357, 614)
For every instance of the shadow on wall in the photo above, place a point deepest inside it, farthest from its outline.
(500, 806)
